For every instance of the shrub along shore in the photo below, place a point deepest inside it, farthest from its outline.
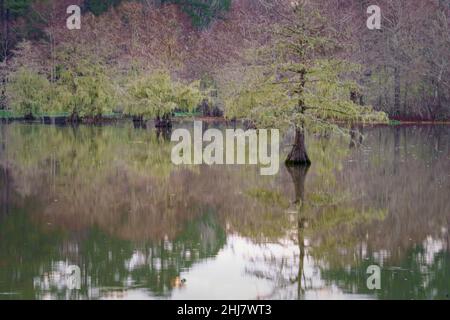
(64, 118)
(61, 118)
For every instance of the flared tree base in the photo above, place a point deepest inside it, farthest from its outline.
(298, 155)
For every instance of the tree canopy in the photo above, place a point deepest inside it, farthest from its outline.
(158, 95)
(299, 81)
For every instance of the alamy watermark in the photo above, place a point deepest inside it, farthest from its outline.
(73, 22)
(374, 21)
(237, 147)
(374, 280)
(73, 277)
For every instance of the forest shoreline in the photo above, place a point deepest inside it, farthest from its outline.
(59, 120)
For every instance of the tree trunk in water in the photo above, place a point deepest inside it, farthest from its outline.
(205, 108)
(249, 125)
(163, 122)
(74, 118)
(298, 154)
(138, 122)
(396, 91)
(138, 118)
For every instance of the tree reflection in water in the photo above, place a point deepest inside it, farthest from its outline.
(109, 200)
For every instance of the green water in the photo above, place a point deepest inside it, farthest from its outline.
(108, 199)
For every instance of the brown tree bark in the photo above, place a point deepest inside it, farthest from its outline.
(298, 154)
(397, 91)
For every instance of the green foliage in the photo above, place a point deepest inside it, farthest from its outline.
(98, 7)
(296, 83)
(273, 101)
(84, 93)
(78, 94)
(202, 12)
(28, 92)
(157, 94)
(18, 7)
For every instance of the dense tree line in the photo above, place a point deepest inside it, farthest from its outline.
(405, 70)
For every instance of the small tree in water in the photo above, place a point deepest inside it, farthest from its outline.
(157, 96)
(84, 92)
(28, 92)
(295, 83)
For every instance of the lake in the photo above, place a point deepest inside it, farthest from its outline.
(108, 200)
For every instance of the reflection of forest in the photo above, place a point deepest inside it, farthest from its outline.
(109, 200)
(407, 172)
(88, 196)
(387, 205)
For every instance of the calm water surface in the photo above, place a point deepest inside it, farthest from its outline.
(108, 200)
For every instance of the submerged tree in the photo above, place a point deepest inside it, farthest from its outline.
(295, 83)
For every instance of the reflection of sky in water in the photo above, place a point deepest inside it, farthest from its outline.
(237, 270)
(241, 270)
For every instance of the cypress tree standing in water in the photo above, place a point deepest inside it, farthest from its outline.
(297, 83)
